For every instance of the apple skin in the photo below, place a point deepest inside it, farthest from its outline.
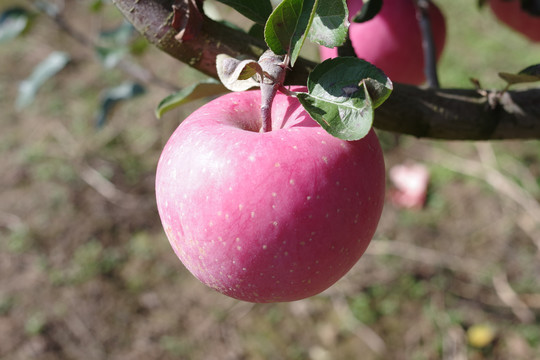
(513, 16)
(267, 217)
(392, 40)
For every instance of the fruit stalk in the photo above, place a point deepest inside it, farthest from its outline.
(274, 69)
(428, 43)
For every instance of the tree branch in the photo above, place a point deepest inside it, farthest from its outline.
(450, 114)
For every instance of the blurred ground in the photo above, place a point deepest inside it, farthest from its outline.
(86, 271)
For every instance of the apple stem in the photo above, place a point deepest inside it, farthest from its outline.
(428, 43)
(274, 69)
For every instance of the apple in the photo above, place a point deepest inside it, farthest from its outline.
(392, 40)
(267, 217)
(510, 13)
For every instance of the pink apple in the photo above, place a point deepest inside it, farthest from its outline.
(411, 181)
(392, 40)
(267, 217)
(510, 13)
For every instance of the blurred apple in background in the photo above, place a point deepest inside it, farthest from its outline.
(511, 13)
(392, 40)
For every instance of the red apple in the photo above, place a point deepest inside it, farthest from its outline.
(510, 13)
(267, 217)
(392, 40)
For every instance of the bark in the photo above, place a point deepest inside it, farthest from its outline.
(450, 114)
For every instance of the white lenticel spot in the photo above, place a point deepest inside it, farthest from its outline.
(291, 181)
(251, 158)
(264, 247)
(252, 214)
(274, 194)
(277, 164)
(240, 206)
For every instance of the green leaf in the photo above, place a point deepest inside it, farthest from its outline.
(330, 24)
(237, 75)
(46, 69)
(13, 21)
(110, 56)
(258, 10)
(196, 91)
(121, 35)
(257, 31)
(281, 25)
(112, 96)
(342, 94)
(370, 8)
(96, 5)
(302, 28)
(114, 44)
(529, 74)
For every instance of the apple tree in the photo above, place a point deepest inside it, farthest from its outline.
(273, 194)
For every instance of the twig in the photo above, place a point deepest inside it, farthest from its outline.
(424, 255)
(498, 181)
(428, 43)
(509, 297)
(351, 323)
(90, 175)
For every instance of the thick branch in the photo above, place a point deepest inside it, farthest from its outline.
(452, 114)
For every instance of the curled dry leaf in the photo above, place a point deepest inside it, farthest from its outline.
(237, 75)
